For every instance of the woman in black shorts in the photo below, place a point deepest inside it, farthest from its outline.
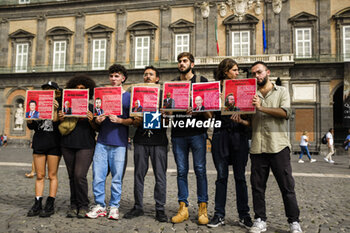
(78, 150)
(46, 150)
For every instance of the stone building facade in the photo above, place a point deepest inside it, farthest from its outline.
(307, 48)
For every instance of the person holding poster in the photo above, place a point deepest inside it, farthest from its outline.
(32, 113)
(98, 110)
(270, 148)
(168, 101)
(46, 150)
(110, 151)
(77, 145)
(149, 143)
(230, 147)
(185, 136)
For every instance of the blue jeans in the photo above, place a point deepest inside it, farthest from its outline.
(114, 157)
(238, 159)
(305, 150)
(181, 149)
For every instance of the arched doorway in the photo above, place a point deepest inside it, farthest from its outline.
(340, 131)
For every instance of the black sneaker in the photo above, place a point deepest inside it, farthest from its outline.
(134, 213)
(161, 216)
(72, 212)
(36, 208)
(49, 208)
(216, 221)
(246, 222)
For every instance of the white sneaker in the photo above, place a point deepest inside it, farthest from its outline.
(331, 161)
(325, 159)
(295, 227)
(313, 160)
(113, 213)
(96, 211)
(301, 161)
(258, 226)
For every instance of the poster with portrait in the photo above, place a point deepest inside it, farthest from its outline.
(75, 102)
(39, 104)
(144, 98)
(238, 95)
(176, 96)
(206, 97)
(108, 101)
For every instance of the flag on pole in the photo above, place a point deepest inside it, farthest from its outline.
(216, 36)
(264, 36)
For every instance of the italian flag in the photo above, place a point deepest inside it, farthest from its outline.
(216, 36)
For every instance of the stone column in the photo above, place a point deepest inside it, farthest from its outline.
(201, 32)
(40, 41)
(324, 27)
(120, 53)
(326, 112)
(165, 34)
(4, 32)
(79, 38)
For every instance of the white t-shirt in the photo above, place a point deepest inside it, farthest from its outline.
(330, 137)
(303, 141)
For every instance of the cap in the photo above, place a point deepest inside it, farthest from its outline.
(50, 84)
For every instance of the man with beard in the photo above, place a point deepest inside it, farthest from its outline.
(270, 148)
(185, 138)
(151, 143)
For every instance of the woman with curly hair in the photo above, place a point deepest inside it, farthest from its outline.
(77, 145)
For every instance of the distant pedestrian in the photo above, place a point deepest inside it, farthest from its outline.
(304, 142)
(4, 140)
(347, 145)
(330, 144)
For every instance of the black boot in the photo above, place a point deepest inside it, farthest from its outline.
(49, 208)
(36, 208)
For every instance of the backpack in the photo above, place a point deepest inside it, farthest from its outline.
(324, 139)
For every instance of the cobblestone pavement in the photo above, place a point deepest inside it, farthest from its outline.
(322, 191)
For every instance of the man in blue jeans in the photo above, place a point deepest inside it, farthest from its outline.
(110, 151)
(185, 138)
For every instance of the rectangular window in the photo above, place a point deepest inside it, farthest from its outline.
(182, 44)
(240, 43)
(142, 47)
(346, 35)
(22, 57)
(59, 56)
(23, 1)
(99, 54)
(303, 42)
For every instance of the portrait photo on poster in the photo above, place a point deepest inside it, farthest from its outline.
(176, 96)
(75, 102)
(238, 95)
(39, 104)
(144, 98)
(108, 101)
(206, 96)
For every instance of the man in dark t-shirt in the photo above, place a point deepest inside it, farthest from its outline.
(186, 136)
(149, 143)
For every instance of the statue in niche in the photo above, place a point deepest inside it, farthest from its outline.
(19, 117)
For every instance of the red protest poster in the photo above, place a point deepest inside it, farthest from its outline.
(39, 104)
(176, 96)
(75, 102)
(144, 98)
(238, 95)
(108, 101)
(206, 96)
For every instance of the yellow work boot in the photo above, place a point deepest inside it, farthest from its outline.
(202, 214)
(182, 214)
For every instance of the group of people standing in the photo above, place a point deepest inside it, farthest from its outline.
(270, 150)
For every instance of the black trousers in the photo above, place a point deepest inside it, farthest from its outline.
(281, 168)
(78, 162)
(159, 160)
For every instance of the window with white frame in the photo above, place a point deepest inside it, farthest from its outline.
(182, 44)
(240, 43)
(142, 49)
(346, 41)
(99, 54)
(303, 44)
(59, 56)
(22, 57)
(24, 1)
